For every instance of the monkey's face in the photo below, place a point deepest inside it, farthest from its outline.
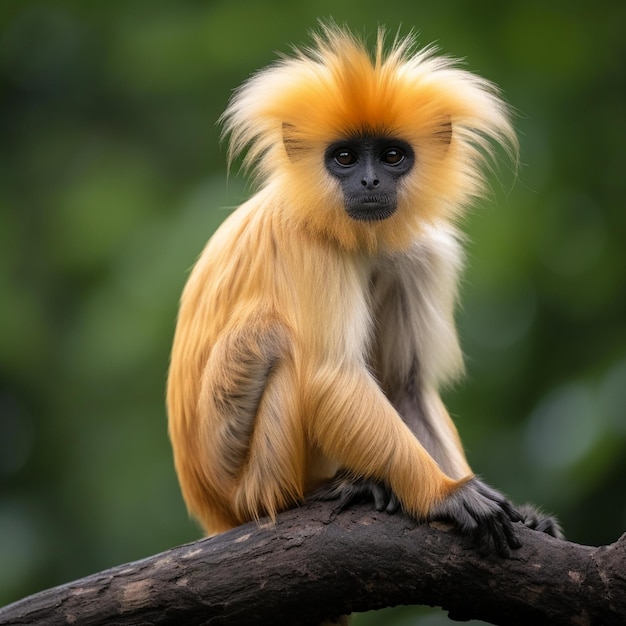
(369, 170)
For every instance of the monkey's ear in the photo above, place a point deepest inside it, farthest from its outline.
(443, 134)
(291, 143)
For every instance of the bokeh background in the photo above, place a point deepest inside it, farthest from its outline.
(112, 177)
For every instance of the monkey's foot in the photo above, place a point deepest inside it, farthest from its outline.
(537, 520)
(348, 491)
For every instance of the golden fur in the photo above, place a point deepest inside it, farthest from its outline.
(309, 342)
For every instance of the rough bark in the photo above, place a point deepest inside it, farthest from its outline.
(313, 564)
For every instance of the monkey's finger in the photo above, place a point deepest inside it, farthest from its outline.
(381, 496)
(393, 505)
(465, 518)
(354, 492)
(511, 512)
(511, 536)
(499, 535)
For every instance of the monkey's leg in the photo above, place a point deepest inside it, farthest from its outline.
(354, 423)
(274, 475)
(252, 437)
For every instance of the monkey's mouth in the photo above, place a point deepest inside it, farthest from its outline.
(370, 208)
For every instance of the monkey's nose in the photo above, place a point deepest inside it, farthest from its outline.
(370, 183)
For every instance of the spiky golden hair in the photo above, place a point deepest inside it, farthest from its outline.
(284, 116)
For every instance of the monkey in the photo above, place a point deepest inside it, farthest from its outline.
(317, 328)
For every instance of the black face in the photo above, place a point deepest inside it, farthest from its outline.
(369, 170)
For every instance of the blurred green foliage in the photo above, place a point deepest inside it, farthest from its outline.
(112, 177)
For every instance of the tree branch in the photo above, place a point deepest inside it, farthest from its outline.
(313, 564)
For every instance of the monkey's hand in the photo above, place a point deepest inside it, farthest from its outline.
(483, 513)
(533, 518)
(348, 491)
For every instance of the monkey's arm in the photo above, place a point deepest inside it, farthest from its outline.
(356, 425)
(433, 425)
(418, 348)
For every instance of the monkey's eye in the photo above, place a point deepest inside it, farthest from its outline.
(345, 158)
(392, 156)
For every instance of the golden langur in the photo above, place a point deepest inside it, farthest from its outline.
(317, 326)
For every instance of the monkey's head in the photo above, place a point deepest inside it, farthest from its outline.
(366, 149)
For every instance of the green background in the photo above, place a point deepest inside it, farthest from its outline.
(112, 177)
